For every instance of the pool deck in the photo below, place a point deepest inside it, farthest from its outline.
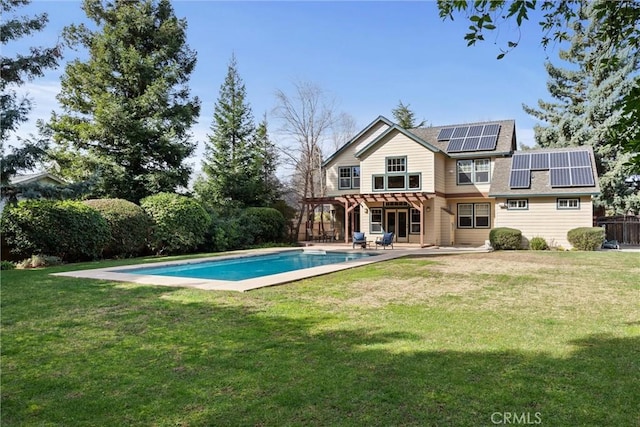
(120, 274)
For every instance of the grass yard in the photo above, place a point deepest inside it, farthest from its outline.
(548, 338)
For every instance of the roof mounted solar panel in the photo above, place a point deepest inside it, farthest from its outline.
(490, 130)
(521, 161)
(539, 161)
(582, 177)
(488, 143)
(471, 144)
(560, 177)
(579, 158)
(475, 131)
(559, 160)
(455, 144)
(460, 132)
(445, 134)
(520, 178)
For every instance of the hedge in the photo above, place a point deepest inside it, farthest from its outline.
(67, 229)
(538, 244)
(179, 222)
(586, 238)
(265, 225)
(505, 238)
(129, 223)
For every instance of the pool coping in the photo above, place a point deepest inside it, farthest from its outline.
(119, 274)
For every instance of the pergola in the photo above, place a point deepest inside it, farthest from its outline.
(351, 201)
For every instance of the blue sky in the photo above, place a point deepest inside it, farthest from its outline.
(367, 55)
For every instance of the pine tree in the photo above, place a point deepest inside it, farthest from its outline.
(15, 72)
(587, 108)
(233, 153)
(128, 108)
(406, 118)
(266, 163)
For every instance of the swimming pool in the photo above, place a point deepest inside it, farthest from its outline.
(250, 267)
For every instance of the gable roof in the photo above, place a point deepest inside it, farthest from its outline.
(35, 177)
(540, 179)
(355, 138)
(403, 131)
(505, 145)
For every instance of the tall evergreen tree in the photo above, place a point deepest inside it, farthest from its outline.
(128, 108)
(266, 163)
(405, 117)
(14, 110)
(587, 108)
(233, 153)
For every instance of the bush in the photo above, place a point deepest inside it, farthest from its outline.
(37, 261)
(265, 225)
(7, 265)
(129, 223)
(586, 238)
(180, 223)
(538, 244)
(67, 229)
(504, 238)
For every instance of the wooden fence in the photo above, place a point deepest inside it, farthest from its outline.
(624, 229)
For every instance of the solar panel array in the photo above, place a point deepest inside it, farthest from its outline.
(566, 168)
(470, 138)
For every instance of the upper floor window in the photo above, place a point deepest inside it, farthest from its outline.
(349, 177)
(396, 164)
(473, 171)
(568, 204)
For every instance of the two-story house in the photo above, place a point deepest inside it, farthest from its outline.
(450, 185)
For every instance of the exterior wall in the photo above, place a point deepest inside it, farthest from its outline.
(440, 176)
(471, 236)
(348, 158)
(419, 160)
(543, 219)
(451, 180)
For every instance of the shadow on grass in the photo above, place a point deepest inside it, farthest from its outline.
(135, 357)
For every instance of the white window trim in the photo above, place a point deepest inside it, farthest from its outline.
(372, 224)
(568, 203)
(474, 172)
(474, 216)
(518, 204)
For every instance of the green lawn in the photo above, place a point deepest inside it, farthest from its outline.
(463, 340)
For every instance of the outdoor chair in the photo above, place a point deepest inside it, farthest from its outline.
(385, 240)
(359, 239)
(311, 236)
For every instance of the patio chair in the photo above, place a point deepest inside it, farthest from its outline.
(385, 240)
(359, 239)
(312, 236)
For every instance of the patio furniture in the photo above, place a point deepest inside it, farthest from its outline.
(385, 240)
(359, 239)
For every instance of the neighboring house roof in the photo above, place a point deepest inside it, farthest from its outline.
(505, 145)
(403, 131)
(39, 177)
(540, 179)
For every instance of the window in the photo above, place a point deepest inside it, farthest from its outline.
(473, 171)
(349, 177)
(396, 164)
(395, 182)
(378, 182)
(568, 204)
(474, 215)
(376, 220)
(415, 221)
(519, 204)
(414, 181)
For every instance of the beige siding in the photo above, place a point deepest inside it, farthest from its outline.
(543, 219)
(348, 158)
(440, 174)
(419, 160)
(451, 180)
(471, 236)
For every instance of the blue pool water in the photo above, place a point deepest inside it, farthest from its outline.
(252, 266)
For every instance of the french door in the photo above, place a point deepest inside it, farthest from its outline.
(397, 221)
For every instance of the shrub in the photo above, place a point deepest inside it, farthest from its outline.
(265, 225)
(505, 238)
(67, 229)
(180, 223)
(586, 238)
(129, 223)
(37, 261)
(7, 265)
(538, 244)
